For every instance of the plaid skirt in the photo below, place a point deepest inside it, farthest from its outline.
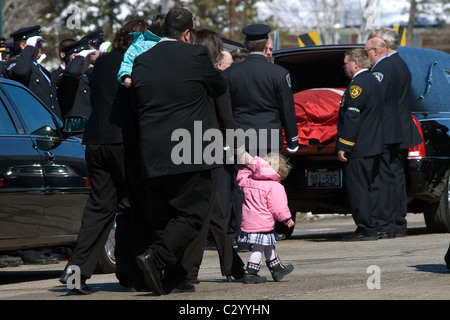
(262, 238)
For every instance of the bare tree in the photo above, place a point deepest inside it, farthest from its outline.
(327, 13)
(368, 18)
(412, 18)
(18, 14)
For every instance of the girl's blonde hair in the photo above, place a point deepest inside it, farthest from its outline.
(280, 164)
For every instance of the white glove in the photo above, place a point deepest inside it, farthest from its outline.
(32, 41)
(292, 150)
(85, 53)
(104, 47)
(41, 58)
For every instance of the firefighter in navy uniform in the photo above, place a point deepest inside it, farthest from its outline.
(95, 39)
(386, 72)
(26, 70)
(74, 89)
(57, 74)
(411, 134)
(360, 143)
(262, 99)
(261, 93)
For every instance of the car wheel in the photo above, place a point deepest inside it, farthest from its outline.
(437, 215)
(107, 261)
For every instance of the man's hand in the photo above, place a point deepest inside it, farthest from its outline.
(245, 159)
(342, 156)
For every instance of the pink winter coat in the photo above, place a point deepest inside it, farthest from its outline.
(265, 199)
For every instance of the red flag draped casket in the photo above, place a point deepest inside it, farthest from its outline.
(316, 112)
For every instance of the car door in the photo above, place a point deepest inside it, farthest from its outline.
(21, 181)
(64, 167)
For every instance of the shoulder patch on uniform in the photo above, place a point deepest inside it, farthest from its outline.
(288, 79)
(379, 76)
(12, 65)
(355, 91)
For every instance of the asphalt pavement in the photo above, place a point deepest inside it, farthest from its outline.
(326, 269)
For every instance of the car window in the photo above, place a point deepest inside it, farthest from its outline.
(38, 119)
(6, 123)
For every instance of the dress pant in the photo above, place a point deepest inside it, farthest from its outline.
(108, 194)
(401, 204)
(389, 189)
(216, 225)
(177, 206)
(363, 190)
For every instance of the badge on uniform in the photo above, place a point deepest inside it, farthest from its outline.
(355, 91)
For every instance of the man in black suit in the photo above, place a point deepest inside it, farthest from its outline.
(26, 70)
(172, 82)
(113, 170)
(411, 134)
(360, 142)
(386, 73)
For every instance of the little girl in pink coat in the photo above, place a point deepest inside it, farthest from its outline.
(265, 202)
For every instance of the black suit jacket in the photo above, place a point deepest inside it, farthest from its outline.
(411, 134)
(111, 110)
(262, 97)
(35, 77)
(360, 119)
(386, 73)
(172, 82)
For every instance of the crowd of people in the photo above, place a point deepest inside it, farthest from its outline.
(136, 91)
(159, 77)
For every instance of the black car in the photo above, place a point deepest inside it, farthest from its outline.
(44, 180)
(316, 183)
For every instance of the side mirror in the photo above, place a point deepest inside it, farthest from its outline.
(74, 125)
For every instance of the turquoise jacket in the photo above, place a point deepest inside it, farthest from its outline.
(141, 43)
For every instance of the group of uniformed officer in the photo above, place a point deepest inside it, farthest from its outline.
(374, 125)
(65, 90)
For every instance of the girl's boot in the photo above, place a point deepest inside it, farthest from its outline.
(277, 269)
(251, 273)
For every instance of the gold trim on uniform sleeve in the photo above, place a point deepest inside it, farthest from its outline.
(348, 143)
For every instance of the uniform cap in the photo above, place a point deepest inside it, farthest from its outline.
(25, 33)
(95, 38)
(256, 32)
(76, 46)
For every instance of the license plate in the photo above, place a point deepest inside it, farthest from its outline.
(323, 178)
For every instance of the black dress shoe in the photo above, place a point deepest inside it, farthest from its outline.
(183, 287)
(84, 289)
(357, 236)
(193, 281)
(385, 235)
(400, 234)
(447, 258)
(65, 275)
(152, 275)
